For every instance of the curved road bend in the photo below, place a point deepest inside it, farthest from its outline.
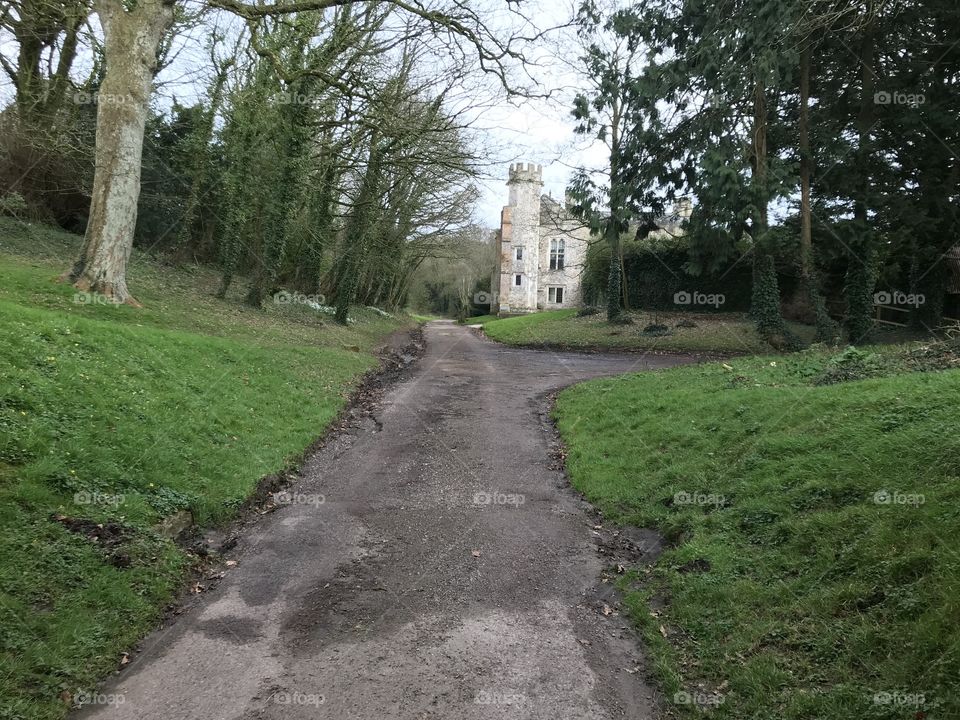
(448, 572)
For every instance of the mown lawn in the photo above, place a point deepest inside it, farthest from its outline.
(116, 416)
(716, 334)
(814, 569)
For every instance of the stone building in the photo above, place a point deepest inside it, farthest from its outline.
(541, 248)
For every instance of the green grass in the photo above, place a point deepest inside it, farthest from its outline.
(787, 589)
(185, 403)
(423, 319)
(717, 334)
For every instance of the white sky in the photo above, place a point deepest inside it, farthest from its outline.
(533, 131)
(539, 130)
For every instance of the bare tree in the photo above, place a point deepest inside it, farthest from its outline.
(133, 35)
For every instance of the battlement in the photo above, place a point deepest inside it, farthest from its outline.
(526, 172)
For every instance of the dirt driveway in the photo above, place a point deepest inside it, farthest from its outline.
(430, 564)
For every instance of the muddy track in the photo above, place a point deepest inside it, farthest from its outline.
(433, 563)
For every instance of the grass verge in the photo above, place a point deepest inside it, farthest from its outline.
(480, 320)
(715, 334)
(814, 530)
(112, 418)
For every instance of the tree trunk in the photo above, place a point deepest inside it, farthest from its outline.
(29, 81)
(613, 277)
(806, 229)
(131, 40)
(623, 280)
(39, 96)
(861, 262)
(765, 299)
(201, 138)
(808, 290)
(359, 227)
(613, 226)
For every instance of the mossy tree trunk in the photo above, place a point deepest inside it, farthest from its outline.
(131, 41)
(862, 258)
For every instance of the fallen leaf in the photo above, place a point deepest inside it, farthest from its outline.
(663, 631)
(475, 553)
(231, 563)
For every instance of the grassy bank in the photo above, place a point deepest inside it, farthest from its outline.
(113, 418)
(814, 530)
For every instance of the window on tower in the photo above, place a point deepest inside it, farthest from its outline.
(516, 280)
(519, 253)
(556, 254)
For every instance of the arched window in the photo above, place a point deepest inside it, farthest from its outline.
(556, 254)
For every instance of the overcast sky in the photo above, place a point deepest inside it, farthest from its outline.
(508, 130)
(539, 130)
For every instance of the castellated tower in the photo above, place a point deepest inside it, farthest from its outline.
(519, 241)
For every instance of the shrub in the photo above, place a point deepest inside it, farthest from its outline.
(12, 203)
(656, 329)
(852, 364)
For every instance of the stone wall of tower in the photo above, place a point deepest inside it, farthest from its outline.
(558, 224)
(520, 228)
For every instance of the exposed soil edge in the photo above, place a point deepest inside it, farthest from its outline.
(607, 540)
(616, 546)
(396, 359)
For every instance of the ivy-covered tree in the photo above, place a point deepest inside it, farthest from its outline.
(617, 111)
